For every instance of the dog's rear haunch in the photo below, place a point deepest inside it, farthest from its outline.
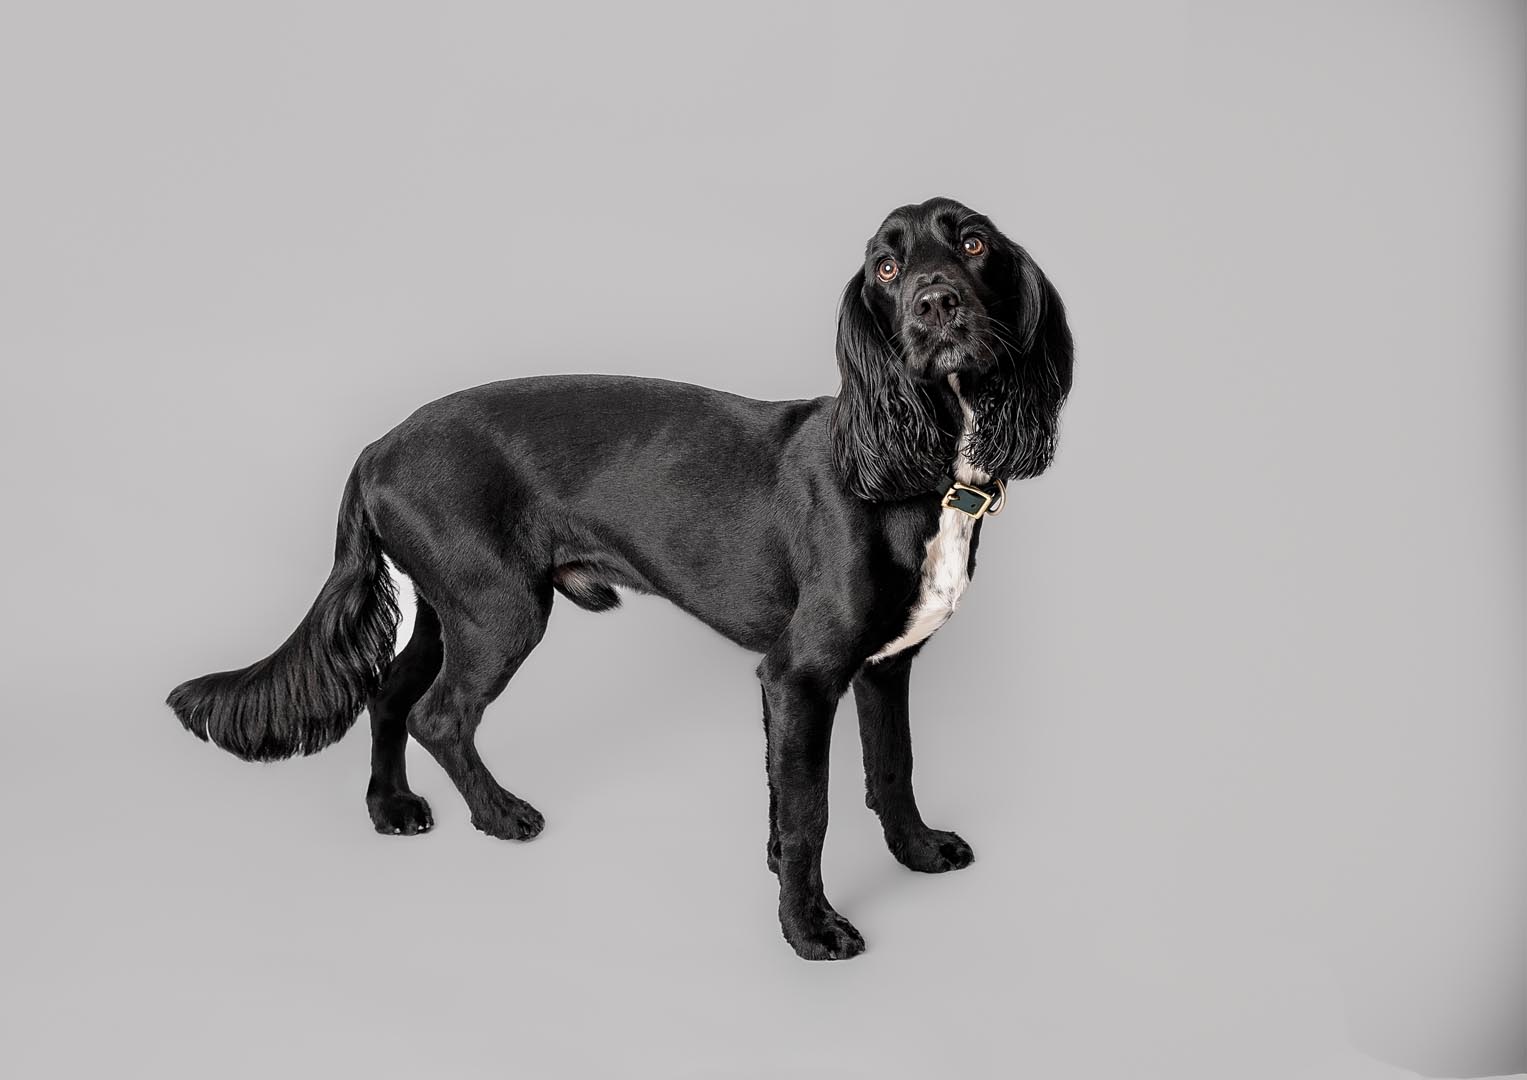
(834, 536)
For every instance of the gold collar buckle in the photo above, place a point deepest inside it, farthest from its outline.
(975, 502)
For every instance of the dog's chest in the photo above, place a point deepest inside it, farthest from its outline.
(944, 578)
(945, 571)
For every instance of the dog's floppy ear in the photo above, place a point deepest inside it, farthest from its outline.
(1017, 404)
(1044, 332)
(886, 437)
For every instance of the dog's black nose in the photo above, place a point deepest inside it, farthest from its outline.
(936, 305)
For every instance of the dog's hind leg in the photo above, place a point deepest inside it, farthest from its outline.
(484, 646)
(394, 808)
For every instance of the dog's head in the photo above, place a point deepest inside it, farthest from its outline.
(944, 293)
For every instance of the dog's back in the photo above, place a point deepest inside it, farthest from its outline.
(598, 480)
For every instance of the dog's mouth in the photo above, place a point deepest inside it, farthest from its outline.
(937, 353)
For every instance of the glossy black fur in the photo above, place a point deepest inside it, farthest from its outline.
(797, 529)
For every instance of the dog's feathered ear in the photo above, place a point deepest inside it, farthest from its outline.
(887, 441)
(1017, 404)
(1042, 325)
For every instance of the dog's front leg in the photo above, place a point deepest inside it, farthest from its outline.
(800, 705)
(880, 694)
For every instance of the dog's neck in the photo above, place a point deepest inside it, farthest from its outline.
(965, 471)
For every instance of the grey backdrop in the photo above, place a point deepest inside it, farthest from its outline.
(1247, 800)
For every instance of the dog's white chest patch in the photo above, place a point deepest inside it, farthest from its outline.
(946, 563)
(944, 579)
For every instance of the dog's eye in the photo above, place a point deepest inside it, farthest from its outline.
(973, 245)
(887, 270)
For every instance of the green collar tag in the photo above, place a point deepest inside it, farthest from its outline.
(975, 501)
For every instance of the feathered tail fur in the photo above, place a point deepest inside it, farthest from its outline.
(307, 693)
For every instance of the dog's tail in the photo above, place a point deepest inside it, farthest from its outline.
(307, 693)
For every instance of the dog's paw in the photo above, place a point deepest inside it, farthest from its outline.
(822, 934)
(931, 851)
(401, 813)
(509, 818)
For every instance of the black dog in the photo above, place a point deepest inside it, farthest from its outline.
(833, 536)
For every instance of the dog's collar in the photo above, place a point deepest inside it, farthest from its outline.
(974, 500)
